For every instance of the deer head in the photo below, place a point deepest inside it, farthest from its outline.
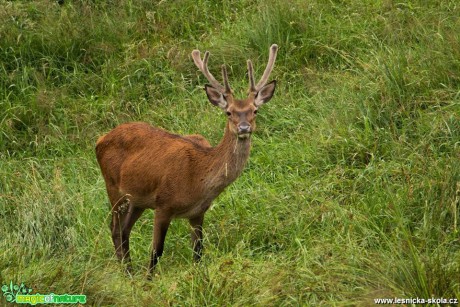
(241, 112)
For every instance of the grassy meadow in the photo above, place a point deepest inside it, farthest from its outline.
(352, 190)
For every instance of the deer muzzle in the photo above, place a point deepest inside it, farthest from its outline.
(244, 130)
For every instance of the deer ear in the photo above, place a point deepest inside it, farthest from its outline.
(215, 97)
(265, 93)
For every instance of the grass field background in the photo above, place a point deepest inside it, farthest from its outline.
(352, 189)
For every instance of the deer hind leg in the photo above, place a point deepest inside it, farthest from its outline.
(160, 228)
(120, 208)
(130, 219)
(197, 236)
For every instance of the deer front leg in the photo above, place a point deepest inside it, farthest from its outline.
(160, 228)
(197, 236)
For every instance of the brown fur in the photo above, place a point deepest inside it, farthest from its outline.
(168, 172)
(177, 176)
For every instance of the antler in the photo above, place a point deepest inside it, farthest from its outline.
(228, 90)
(203, 67)
(271, 63)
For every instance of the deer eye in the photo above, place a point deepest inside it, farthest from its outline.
(228, 113)
(255, 111)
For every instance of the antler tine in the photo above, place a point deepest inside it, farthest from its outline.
(269, 68)
(203, 67)
(228, 90)
(252, 85)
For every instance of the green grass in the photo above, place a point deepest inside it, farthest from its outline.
(352, 190)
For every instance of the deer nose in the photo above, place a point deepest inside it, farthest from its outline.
(244, 127)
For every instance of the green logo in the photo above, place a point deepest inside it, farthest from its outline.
(11, 291)
(21, 295)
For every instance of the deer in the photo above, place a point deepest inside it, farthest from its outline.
(145, 167)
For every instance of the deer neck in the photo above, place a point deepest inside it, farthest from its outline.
(228, 160)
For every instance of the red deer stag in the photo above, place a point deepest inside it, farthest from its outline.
(178, 176)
